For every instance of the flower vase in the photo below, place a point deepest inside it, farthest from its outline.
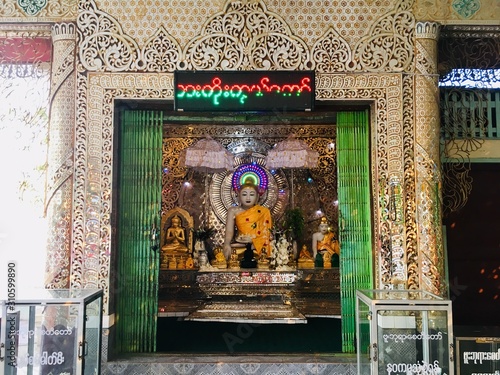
(203, 259)
(199, 247)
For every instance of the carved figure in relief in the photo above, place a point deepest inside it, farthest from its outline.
(252, 221)
(175, 239)
(324, 242)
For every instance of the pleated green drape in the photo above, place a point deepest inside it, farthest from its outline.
(139, 206)
(355, 229)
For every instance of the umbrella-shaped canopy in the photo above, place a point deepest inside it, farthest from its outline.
(207, 155)
(292, 153)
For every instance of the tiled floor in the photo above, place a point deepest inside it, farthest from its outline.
(337, 364)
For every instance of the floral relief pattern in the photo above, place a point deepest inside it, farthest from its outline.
(332, 53)
(388, 45)
(246, 36)
(466, 8)
(43, 10)
(32, 7)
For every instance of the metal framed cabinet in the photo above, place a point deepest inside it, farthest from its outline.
(403, 332)
(52, 332)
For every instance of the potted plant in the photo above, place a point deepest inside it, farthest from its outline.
(201, 236)
(294, 223)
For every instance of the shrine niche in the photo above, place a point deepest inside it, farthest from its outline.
(397, 87)
(176, 240)
(315, 188)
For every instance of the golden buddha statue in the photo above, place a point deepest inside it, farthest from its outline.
(305, 260)
(219, 260)
(175, 239)
(234, 262)
(253, 223)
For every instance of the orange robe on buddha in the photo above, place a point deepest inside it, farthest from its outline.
(256, 222)
(329, 243)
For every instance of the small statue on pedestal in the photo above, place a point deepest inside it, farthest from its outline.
(220, 260)
(306, 260)
(326, 249)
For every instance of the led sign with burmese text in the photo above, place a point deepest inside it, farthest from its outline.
(277, 91)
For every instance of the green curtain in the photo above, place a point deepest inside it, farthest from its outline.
(355, 229)
(138, 210)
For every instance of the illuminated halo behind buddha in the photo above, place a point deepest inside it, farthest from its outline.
(248, 222)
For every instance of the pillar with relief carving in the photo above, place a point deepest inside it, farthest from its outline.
(60, 156)
(427, 161)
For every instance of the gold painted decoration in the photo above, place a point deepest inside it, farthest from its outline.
(388, 30)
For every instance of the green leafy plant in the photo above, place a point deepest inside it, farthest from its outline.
(294, 223)
(203, 234)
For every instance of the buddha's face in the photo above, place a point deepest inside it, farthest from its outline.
(323, 228)
(248, 197)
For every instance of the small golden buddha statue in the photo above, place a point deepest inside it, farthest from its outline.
(262, 261)
(175, 239)
(306, 260)
(220, 259)
(234, 261)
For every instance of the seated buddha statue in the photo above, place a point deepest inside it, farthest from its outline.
(248, 223)
(175, 239)
(305, 260)
(325, 244)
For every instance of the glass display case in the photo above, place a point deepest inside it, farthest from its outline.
(478, 355)
(403, 332)
(52, 332)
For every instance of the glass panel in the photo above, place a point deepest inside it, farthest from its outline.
(363, 332)
(413, 342)
(478, 355)
(41, 340)
(39, 295)
(92, 338)
(391, 296)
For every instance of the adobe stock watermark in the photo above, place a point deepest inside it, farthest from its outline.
(456, 288)
(10, 342)
(11, 285)
(243, 332)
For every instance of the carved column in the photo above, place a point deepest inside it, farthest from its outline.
(427, 161)
(60, 156)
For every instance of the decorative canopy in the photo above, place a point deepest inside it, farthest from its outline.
(207, 155)
(292, 153)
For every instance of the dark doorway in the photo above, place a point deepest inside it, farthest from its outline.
(473, 241)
